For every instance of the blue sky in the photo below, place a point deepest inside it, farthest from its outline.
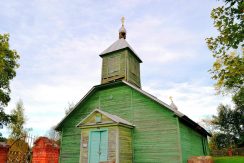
(59, 43)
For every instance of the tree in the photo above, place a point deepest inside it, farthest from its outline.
(220, 141)
(8, 66)
(228, 69)
(69, 108)
(53, 135)
(238, 99)
(16, 127)
(227, 127)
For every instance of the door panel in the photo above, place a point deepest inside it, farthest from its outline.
(94, 147)
(103, 145)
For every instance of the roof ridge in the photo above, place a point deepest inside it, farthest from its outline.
(119, 45)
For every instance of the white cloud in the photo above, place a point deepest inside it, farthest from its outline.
(59, 43)
(196, 100)
(159, 40)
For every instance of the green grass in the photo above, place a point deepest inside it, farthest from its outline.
(233, 159)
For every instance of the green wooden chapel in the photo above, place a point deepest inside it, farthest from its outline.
(118, 122)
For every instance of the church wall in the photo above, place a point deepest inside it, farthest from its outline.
(71, 135)
(125, 145)
(154, 138)
(192, 143)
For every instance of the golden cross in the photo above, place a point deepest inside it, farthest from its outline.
(123, 20)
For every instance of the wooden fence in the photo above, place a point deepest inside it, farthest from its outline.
(228, 152)
(20, 149)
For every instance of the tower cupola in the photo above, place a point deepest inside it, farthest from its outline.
(120, 62)
(122, 30)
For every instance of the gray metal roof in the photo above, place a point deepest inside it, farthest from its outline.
(118, 45)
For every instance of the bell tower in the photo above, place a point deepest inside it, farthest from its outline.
(120, 62)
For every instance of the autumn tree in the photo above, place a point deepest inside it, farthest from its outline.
(228, 71)
(227, 47)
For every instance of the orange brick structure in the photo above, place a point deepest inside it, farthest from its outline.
(200, 159)
(45, 151)
(4, 148)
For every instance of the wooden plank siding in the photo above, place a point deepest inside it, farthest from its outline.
(71, 135)
(124, 63)
(118, 61)
(155, 136)
(133, 74)
(191, 142)
(125, 145)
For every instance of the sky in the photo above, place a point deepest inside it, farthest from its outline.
(59, 42)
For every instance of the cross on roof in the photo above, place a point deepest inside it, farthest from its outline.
(123, 20)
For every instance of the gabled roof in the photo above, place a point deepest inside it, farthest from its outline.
(119, 45)
(182, 117)
(114, 118)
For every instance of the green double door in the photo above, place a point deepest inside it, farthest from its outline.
(98, 146)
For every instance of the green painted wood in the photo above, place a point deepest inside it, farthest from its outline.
(125, 145)
(179, 138)
(133, 69)
(155, 136)
(120, 65)
(71, 135)
(192, 143)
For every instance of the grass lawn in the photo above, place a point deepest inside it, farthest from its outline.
(233, 159)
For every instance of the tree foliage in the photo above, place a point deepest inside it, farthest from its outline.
(228, 20)
(228, 69)
(69, 108)
(8, 66)
(238, 99)
(16, 127)
(227, 127)
(53, 135)
(221, 141)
